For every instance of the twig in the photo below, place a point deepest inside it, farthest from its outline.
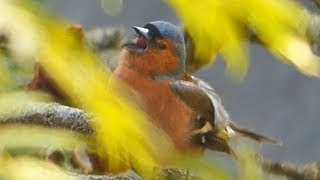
(104, 177)
(305, 172)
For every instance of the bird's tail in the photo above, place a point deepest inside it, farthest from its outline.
(218, 140)
(252, 135)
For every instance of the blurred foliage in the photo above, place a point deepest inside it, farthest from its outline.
(248, 166)
(123, 136)
(112, 7)
(39, 141)
(222, 26)
(14, 74)
(28, 168)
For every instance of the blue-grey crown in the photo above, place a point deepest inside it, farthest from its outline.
(167, 30)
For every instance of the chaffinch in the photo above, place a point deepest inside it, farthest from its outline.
(185, 107)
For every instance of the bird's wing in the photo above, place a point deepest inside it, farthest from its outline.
(204, 131)
(222, 123)
(223, 118)
(194, 97)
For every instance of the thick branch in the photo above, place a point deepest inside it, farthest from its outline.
(51, 115)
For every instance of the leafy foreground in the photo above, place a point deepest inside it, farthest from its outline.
(122, 137)
(119, 134)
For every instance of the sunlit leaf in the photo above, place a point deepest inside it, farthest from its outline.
(201, 168)
(5, 75)
(33, 138)
(221, 26)
(16, 49)
(15, 137)
(248, 166)
(29, 169)
(19, 44)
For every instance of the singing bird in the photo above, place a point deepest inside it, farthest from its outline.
(185, 107)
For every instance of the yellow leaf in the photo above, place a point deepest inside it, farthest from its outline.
(30, 169)
(221, 26)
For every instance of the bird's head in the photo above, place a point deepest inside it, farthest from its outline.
(159, 50)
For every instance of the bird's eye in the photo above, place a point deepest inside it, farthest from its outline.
(162, 46)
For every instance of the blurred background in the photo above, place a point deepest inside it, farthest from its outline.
(274, 99)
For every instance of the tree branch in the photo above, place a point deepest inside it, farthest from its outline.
(51, 115)
(303, 172)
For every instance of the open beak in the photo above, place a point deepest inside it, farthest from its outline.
(144, 32)
(140, 44)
